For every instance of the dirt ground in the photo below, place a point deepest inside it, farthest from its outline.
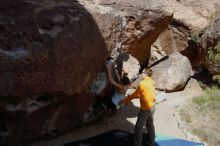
(167, 119)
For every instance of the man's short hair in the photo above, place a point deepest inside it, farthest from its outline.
(149, 72)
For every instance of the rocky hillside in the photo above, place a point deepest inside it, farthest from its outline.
(52, 56)
(210, 47)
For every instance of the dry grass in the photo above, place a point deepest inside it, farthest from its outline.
(202, 116)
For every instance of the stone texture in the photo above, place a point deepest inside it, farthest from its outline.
(138, 28)
(47, 63)
(177, 38)
(42, 57)
(141, 32)
(52, 57)
(195, 14)
(172, 40)
(129, 65)
(209, 40)
(173, 73)
(104, 2)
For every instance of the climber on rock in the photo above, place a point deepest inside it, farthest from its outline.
(121, 87)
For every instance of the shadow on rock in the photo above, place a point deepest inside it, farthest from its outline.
(46, 47)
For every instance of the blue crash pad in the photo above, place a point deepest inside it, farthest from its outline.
(122, 138)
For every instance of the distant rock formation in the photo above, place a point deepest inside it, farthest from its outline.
(191, 18)
(193, 13)
(210, 47)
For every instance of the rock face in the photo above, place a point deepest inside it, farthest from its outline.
(173, 73)
(41, 46)
(129, 65)
(52, 55)
(48, 59)
(195, 14)
(139, 28)
(172, 40)
(189, 16)
(141, 32)
(175, 39)
(210, 47)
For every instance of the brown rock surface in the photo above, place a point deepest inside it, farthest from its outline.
(195, 14)
(175, 39)
(172, 40)
(210, 42)
(51, 52)
(139, 28)
(41, 47)
(173, 73)
(48, 59)
(140, 34)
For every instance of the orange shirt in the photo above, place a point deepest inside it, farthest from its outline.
(146, 93)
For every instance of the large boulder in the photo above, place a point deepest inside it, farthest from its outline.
(41, 45)
(140, 27)
(49, 56)
(195, 14)
(141, 31)
(176, 38)
(173, 73)
(210, 47)
(173, 39)
(190, 18)
(52, 57)
(129, 65)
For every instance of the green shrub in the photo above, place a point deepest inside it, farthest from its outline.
(210, 99)
(202, 116)
(195, 36)
(214, 53)
(213, 15)
(216, 78)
